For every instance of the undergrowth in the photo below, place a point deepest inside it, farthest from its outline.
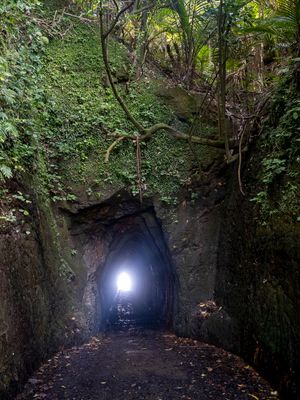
(279, 177)
(82, 116)
(21, 47)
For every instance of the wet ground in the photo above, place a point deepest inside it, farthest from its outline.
(136, 364)
(124, 313)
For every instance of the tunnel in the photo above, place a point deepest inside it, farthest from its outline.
(131, 281)
(136, 284)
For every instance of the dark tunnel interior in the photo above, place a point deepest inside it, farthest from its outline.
(136, 283)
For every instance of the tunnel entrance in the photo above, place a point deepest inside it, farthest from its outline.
(136, 282)
(130, 277)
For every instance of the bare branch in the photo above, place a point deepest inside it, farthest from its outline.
(172, 132)
(141, 10)
(233, 158)
(88, 20)
(240, 160)
(120, 100)
(112, 146)
(116, 5)
(116, 19)
(180, 135)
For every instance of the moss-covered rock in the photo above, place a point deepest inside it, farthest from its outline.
(82, 116)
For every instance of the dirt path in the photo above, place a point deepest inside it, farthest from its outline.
(144, 364)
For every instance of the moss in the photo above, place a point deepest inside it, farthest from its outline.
(275, 320)
(278, 183)
(82, 114)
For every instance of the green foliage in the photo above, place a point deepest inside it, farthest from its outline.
(81, 117)
(272, 168)
(280, 168)
(283, 23)
(20, 99)
(189, 24)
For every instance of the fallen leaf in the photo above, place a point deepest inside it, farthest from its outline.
(253, 397)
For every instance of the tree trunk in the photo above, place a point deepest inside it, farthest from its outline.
(222, 56)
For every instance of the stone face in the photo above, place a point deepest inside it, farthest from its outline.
(258, 285)
(192, 239)
(32, 305)
(190, 231)
(41, 288)
(221, 330)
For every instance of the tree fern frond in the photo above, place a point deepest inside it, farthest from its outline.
(200, 6)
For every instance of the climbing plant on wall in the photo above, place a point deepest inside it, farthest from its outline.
(21, 45)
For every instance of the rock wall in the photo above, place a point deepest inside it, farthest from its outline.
(38, 287)
(193, 234)
(258, 285)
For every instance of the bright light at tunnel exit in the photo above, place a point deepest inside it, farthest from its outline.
(124, 283)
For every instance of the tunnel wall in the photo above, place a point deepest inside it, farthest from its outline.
(190, 232)
(193, 235)
(258, 284)
(39, 279)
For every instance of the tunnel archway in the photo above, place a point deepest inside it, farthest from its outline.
(138, 249)
(121, 236)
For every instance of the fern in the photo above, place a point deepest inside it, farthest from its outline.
(5, 172)
(283, 24)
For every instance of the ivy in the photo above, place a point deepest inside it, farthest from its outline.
(280, 168)
(21, 46)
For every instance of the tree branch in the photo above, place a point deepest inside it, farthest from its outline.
(144, 133)
(180, 135)
(233, 158)
(120, 100)
(112, 146)
(146, 8)
(171, 131)
(116, 19)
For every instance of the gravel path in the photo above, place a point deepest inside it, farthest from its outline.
(145, 364)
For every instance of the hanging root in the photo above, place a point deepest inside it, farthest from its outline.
(240, 161)
(139, 168)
